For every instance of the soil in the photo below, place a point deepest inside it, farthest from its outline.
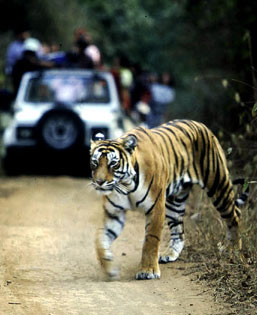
(48, 264)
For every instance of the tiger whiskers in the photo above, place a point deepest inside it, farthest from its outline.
(92, 185)
(122, 189)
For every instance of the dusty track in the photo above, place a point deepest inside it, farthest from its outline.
(48, 263)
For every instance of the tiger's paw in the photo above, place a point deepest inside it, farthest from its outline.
(148, 274)
(113, 274)
(163, 259)
(172, 253)
(110, 269)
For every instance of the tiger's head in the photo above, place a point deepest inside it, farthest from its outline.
(112, 164)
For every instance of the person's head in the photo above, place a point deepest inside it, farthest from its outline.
(153, 77)
(81, 44)
(45, 48)
(55, 47)
(21, 34)
(167, 79)
(81, 34)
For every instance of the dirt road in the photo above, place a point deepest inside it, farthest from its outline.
(48, 263)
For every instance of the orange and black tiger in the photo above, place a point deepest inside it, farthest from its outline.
(154, 170)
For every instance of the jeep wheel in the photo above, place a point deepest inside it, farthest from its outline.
(61, 130)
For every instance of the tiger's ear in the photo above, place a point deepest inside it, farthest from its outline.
(92, 144)
(130, 142)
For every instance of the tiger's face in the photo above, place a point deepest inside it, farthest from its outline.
(112, 165)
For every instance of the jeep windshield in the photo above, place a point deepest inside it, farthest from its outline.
(71, 88)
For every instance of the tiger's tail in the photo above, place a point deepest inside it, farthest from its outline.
(240, 201)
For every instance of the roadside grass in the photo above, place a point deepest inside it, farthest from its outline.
(232, 276)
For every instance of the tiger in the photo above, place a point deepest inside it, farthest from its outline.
(153, 170)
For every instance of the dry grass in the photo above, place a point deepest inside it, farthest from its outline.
(233, 280)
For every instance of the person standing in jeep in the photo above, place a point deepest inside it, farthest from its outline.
(29, 61)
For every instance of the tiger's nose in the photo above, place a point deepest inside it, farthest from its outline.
(100, 182)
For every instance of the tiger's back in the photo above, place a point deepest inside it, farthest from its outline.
(182, 151)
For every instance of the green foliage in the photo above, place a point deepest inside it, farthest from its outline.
(49, 20)
(254, 110)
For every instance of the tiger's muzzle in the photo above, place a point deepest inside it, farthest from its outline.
(103, 185)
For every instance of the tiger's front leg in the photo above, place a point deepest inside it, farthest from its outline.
(113, 225)
(153, 230)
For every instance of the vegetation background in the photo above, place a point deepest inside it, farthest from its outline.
(210, 47)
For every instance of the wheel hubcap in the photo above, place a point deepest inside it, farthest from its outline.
(60, 132)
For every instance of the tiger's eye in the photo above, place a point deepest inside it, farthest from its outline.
(114, 164)
(94, 164)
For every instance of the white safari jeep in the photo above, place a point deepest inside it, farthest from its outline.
(62, 110)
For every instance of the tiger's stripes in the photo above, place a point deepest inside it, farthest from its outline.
(154, 170)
